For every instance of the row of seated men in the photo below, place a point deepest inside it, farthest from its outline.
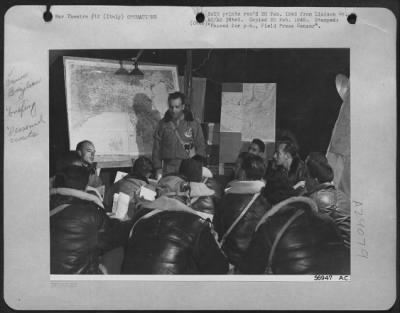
(262, 222)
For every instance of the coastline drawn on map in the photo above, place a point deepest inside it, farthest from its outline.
(119, 113)
(250, 111)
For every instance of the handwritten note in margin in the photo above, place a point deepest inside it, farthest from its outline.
(22, 113)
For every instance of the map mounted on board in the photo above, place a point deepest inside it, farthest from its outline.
(250, 110)
(247, 111)
(118, 113)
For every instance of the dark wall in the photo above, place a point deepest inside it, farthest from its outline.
(307, 101)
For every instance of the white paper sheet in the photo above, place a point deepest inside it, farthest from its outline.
(119, 176)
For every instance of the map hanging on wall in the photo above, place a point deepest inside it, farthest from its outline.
(118, 113)
(249, 109)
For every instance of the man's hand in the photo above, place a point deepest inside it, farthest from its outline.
(158, 174)
(300, 184)
(114, 216)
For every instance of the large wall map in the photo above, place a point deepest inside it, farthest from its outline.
(118, 113)
(247, 111)
(250, 110)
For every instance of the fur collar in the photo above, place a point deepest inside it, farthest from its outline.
(165, 203)
(245, 186)
(75, 193)
(200, 190)
(327, 185)
(206, 173)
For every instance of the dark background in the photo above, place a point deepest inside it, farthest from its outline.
(307, 101)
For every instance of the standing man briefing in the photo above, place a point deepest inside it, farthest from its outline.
(178, 136)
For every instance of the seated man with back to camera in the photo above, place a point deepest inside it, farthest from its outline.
(69, 158)
(330, 201)
(238, 163)
(202, 198)
(241, 208)
(293, 237)
(82, 236)
(217, 184)
(141, 171)
(169, 237)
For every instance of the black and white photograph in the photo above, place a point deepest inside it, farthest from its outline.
(184, 158)
(225, 161)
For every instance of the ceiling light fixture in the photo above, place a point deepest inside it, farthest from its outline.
(136, 72)
(121, 70)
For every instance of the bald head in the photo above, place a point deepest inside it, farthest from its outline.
(86, 151)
